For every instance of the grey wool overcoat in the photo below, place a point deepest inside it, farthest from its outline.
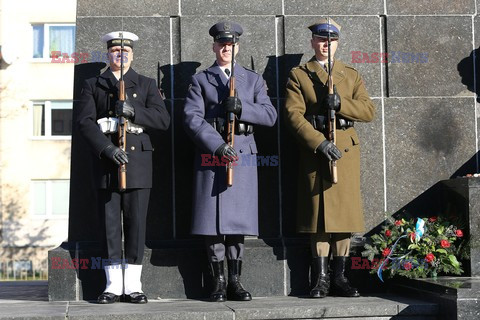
(218, 209)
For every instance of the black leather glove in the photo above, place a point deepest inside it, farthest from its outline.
(226, 151)
(115, 154)
(329, 150)
(233, 104)
(332, 101)
(125, 109)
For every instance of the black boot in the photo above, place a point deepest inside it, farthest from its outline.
(340, 285)
(320, 278)
(219, 293)
(107, 298)
(235, 290)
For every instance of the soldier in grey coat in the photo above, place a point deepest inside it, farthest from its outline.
(224, 215)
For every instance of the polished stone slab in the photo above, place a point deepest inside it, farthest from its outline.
(231, 7)
(426, 7)
(372, 168)
(155, 309)
(461, 198)
(416, 147)
(457, 297)
(153, 46)
(384, 306)
(341, 7)
(92, 8)
(423, 58)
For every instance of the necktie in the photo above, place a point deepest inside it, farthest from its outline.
(227, 72)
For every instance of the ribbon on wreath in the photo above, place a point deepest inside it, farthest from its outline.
(419, 232)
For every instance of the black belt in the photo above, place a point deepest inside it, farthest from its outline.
(320, 122)
(219, 124)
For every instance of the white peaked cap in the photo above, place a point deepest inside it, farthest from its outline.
(128, 38)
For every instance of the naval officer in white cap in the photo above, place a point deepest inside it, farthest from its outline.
(96, 117)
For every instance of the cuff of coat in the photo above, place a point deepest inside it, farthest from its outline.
(318, 145)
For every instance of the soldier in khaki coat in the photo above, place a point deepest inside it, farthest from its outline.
(329, 212)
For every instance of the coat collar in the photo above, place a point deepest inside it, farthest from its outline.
(108, 80)
(215, 75)
(315, 68)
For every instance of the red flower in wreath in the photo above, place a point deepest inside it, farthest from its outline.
(407, 266)
(388, 233)
(445, 244)
(386, 252)
(429, 257)
(398, 223)
(459, 233)
(432, 219)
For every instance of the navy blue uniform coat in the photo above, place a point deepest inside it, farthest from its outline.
(216, 208)
(99, 95)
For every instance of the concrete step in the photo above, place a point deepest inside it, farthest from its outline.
(22, 301)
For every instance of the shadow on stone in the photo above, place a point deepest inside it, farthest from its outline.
(284, 64)
(178, 81)
(468, 167)
(467, 72)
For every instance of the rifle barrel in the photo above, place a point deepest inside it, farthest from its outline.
(122, 128)
(332, 120)
(231, 119)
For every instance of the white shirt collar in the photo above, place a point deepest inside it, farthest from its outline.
(224, 68)
(322, 63)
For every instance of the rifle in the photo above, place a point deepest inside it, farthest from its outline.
(122, 126)
(332, 127)
(231, 119)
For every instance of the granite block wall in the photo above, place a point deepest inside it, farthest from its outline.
(425, 130)
(426, 124)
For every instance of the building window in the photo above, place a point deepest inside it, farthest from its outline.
(52, 119)
(53, 37)
(50, 198)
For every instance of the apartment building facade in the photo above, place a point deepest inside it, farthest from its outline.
(36, 95)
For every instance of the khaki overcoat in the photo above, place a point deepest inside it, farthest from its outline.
(320, 204)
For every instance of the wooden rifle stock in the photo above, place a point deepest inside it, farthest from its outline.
(332, 126)
(122, 128)
(231, 122)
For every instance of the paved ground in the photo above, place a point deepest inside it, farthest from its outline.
(29, 300)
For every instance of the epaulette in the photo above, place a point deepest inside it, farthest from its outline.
(350, 67)
(302, 67)
(251, 70)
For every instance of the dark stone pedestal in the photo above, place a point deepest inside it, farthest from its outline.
(179, 269)
(457, 297)
(461, 197)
